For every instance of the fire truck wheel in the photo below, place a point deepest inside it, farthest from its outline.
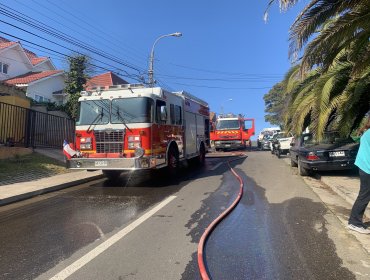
(173, 160)
(112, 174)
(202, 155)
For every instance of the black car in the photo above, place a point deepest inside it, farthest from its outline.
(331, 153)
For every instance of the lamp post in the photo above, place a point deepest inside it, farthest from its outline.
(151, 61)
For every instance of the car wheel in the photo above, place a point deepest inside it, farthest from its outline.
(278, 153)
(301, 170)
(293, 163)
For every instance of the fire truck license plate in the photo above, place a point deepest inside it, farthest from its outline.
(101, 163)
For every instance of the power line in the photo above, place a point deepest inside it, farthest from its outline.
(81, 19)
(64, 55)
(255, 79)
(55, 33)
(227, 73)
(215, 87)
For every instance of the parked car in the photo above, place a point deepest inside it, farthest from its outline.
(331, 153)
(265, 142)
(282, 143)
(269, 131)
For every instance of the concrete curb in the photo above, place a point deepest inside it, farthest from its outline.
(34, 193)
(344, 193)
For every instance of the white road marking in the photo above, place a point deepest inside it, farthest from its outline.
(216, 166)
(72, 268)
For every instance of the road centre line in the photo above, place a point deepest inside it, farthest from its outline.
(72, 268)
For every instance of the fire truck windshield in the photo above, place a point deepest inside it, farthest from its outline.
(120, 110)
(93, 112)
(132, 110)
(227, 124)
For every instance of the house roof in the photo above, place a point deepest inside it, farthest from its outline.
(104, 80)
(31, 77)
(37, 60)
(5, 43)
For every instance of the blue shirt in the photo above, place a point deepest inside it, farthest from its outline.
(363, 155)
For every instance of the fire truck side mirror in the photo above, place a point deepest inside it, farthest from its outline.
(163, 113)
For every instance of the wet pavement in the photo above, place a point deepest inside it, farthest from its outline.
(280, 229)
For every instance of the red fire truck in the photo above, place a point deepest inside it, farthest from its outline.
(231, 132)
(132, 127)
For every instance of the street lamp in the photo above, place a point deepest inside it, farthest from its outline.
(151, 61)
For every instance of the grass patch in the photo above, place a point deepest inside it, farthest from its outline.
(30, 164)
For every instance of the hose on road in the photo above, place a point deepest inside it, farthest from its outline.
(212, 226)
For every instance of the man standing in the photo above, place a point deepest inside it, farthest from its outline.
(355, 221)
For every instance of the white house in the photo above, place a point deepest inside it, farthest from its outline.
(37, 75)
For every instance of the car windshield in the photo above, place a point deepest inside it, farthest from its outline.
(227, 124)
(328, 138)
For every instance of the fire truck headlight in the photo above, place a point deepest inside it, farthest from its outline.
(134, 141)
(85, 140)
(139, 152)
(85, 146)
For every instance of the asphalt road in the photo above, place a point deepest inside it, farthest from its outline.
(144, 227)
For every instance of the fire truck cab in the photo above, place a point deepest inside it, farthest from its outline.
(132, 127)
(232, 132)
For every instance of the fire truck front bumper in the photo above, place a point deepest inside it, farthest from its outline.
(229, 144)
(112, 163)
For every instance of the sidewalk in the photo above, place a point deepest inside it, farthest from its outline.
(29, 188)
(346, 187)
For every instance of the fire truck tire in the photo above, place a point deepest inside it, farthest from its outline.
(202, 155)
(112, 174)
(173, 160)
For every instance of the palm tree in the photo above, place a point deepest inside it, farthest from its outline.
(334, 85)
(342, 25)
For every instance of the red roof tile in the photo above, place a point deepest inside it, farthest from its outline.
(4, 45)
(103, 80)
(31, 77)
(37, 60)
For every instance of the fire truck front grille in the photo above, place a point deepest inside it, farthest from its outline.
(109, 141)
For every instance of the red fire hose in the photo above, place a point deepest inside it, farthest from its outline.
(211, 227)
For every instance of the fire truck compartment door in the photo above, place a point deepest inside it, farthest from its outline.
(190, 133)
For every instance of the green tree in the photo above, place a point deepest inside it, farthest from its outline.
(334, 84)
(274, 104)
(75, 81)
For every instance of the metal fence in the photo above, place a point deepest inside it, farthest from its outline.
(30, 128)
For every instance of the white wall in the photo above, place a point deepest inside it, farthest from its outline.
(18, 64)
(45, 66)
(46, 87)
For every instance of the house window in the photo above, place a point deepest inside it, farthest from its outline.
(40, 98)
(4, 68)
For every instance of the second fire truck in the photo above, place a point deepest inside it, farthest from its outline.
(132, 127)
(232, 132)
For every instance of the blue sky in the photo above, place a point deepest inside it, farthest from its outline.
(227, 55)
